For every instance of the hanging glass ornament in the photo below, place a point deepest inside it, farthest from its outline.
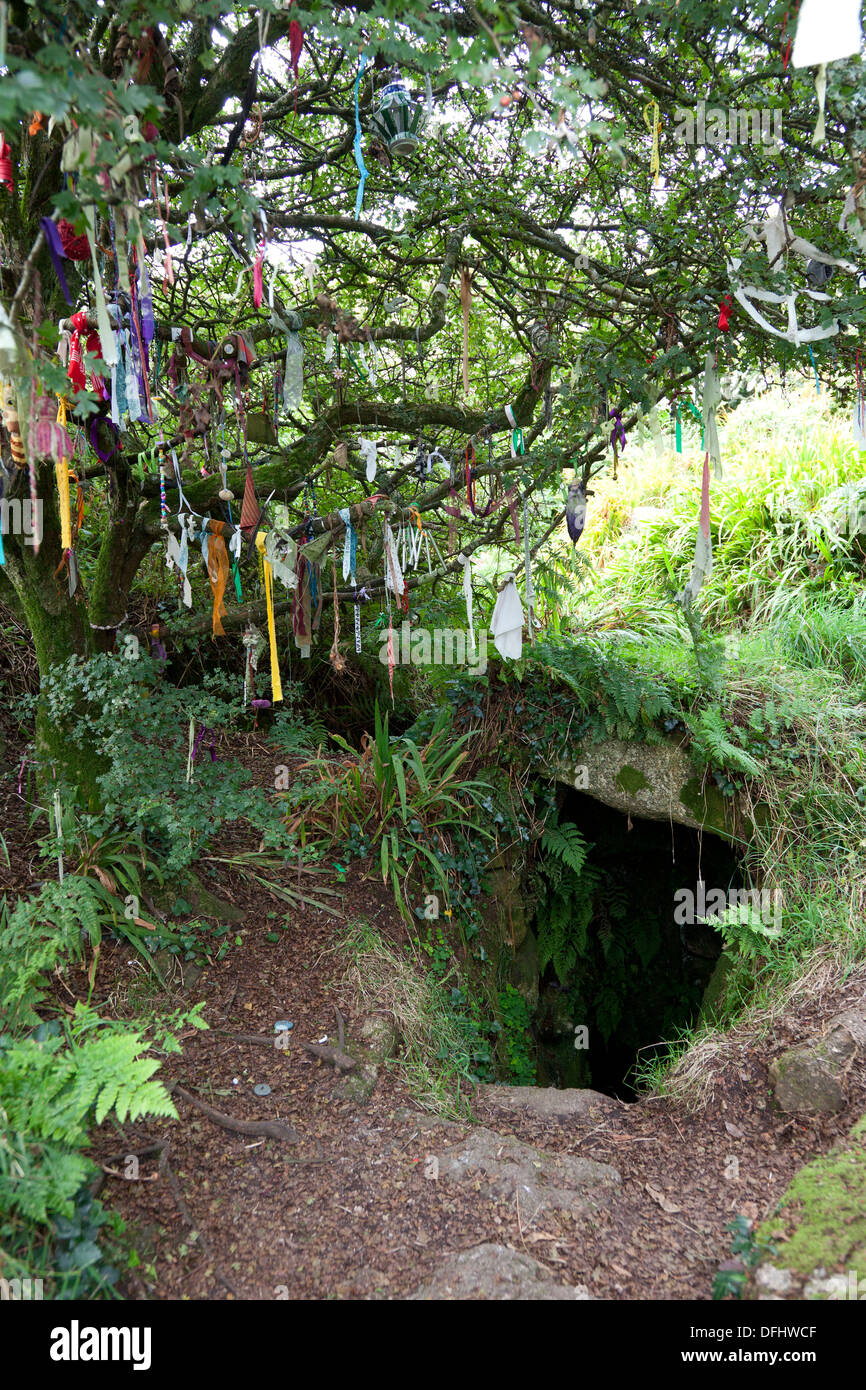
(398, 119)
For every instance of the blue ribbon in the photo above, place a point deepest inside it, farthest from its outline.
(814, 369)
(359, 154)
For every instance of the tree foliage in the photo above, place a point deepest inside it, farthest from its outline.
(590, 288)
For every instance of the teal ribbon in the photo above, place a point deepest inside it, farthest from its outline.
(814, 369)
(359, 153)
(700, 419)
(353, 359)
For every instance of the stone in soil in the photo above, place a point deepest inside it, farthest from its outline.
(547, 1103)
(508, 1170)
(498, 1273)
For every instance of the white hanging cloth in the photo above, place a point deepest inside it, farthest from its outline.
(369, 450)
(177, 559)
(467, 594)
(711, 398)
(777, 238)
(775, 232)
(280, 553)
(702, 565)
(507, 622)
(8, 345)
(394, 581)
(793, 333)
(826, 31)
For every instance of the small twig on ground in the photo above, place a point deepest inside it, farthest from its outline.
(149, 1151)
(341, 1029)
(116, 1173)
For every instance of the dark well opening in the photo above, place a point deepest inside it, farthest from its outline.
(632, 961)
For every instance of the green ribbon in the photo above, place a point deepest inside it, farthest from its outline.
(355, 363)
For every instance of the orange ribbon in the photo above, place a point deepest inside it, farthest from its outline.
(218, 573)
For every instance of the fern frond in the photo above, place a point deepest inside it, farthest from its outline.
(567, 843)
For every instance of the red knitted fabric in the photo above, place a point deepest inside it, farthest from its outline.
(75, 248)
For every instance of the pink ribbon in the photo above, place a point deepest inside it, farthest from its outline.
(257, 276)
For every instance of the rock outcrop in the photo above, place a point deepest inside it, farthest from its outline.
(810, 1078)
(498, 1273)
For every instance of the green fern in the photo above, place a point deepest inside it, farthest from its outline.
(711, 736)
(52, 1089)
(567, 843)
(39, 934)
(743, 931)
(564, 912)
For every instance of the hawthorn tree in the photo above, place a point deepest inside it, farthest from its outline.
(551, 261)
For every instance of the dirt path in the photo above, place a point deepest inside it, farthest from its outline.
(351, 1211)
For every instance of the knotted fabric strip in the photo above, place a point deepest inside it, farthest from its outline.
(218, 571)
(276, 684)
(363, 171)
(467, 594)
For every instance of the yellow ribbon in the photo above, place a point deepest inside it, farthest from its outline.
(654, 125)
(276, 685)
(61, 469)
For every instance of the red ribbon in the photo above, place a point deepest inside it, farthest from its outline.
(785, 52)
(296, 43)
(6, 170)
(75, 371)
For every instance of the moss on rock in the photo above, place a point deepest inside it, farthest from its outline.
(631, 779)
(708, 806)
(821, 1219)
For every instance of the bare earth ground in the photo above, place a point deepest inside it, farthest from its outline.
(348, 1212)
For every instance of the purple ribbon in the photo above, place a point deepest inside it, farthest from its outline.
(618, 428)
(201, 735)
(139, 374)
(93, 434)
(55, 248)
(145, 308)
